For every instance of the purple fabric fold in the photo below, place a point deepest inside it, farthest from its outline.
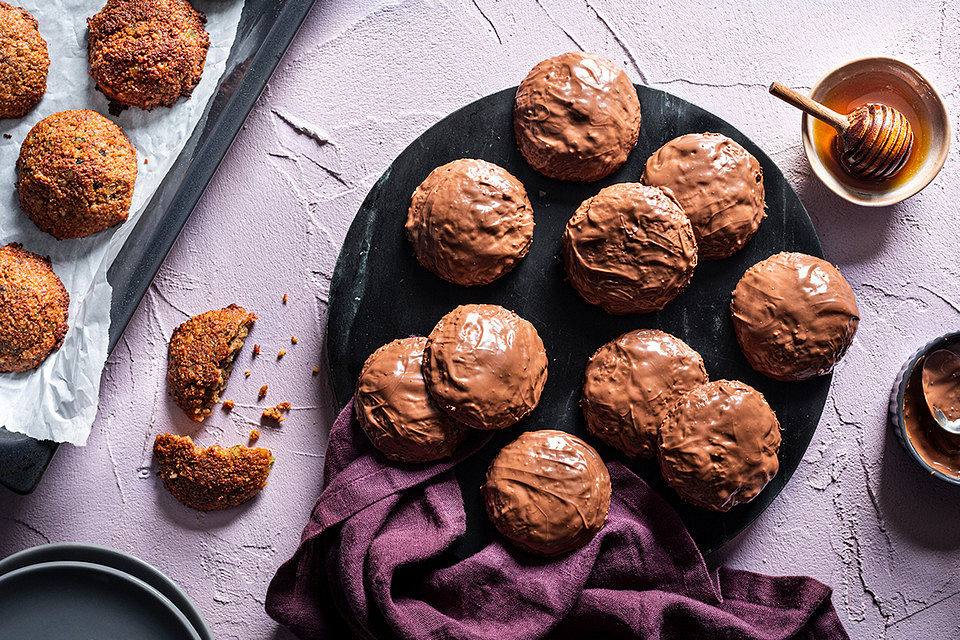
(369, 565)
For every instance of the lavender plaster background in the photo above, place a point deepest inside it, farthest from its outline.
(371, 76)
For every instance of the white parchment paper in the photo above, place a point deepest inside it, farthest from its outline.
(58, 401)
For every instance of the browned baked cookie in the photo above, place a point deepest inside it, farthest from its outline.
(794, 315)
(210, 479)
(576, 117)
(470, 222)
(718, 446)
(630, 384)
(23, 62)
(629, 249)
(75, 174)
(395, 410)
(547, 492)
(718, 184)
(33, 309)
(147, 53)
(485, 366)
(202, 351)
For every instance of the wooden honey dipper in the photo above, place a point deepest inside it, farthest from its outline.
(873, 142)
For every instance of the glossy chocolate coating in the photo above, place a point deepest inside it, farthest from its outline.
(395, 410)
(548, 492)
(718, 184)
(632, 382)
(470, 222)
(629, 249)
(719, 444)
(794, 315)
(576, 117)
(485, 366)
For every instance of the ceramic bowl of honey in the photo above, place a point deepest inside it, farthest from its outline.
(893, 83)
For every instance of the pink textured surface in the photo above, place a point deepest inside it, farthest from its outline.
(858, 514)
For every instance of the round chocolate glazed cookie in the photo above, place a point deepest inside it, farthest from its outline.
(794, 315)
(718, 445)
(485, 366)
(395, 410)
(576, 116)
(632, 382)
(24, 62)
(629, 249)
(547, 492)
(33, 309)
(718, 184)
(75, 174)
(470, 222)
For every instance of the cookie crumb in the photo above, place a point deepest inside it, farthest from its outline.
(294, 340)
(263, 392)
(247, 373)
(281, 353)
(284, 298)
(284, 406)
(7, 136)
(228, 405)
(256, 349)
(316, 369)
(273, 413)
(146, 161)
(254, 435)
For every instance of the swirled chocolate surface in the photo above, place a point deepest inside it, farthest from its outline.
(485, 366)
(632, 382)
(548, 492)
(576, 117)
(395, 410)
(794, 315)
(629, 249)
(470, 222)
(718, 184)
(719, 445)
(937, 447)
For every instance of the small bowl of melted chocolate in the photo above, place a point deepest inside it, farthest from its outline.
(869, 82)
(934, 448)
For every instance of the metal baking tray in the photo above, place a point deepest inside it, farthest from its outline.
(265, 31)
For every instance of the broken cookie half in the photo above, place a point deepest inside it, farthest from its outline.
(202, 351)
(214, 478)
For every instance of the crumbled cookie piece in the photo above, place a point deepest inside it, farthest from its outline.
(281, 353)
(263, 392)
(210, 479)
(256, 350)
(284, 298)
(247, 373)
(254, 435)
(228, 405)
(316, 370)
(294, 340)
(201, 355)
(273, 413)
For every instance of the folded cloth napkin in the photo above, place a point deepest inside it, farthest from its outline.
(369, 565)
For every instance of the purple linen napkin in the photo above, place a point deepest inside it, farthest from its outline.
(368, 566)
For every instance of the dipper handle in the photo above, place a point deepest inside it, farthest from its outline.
(811, 107)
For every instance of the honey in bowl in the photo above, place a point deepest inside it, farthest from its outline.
(865, 88)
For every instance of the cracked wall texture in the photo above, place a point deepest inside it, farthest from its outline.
(367, 77)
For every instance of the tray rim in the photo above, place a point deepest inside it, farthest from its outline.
(205, 160)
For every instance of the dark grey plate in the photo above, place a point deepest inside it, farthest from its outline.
(380, 292)
(96, 554)
(78, 600)
(265, 31)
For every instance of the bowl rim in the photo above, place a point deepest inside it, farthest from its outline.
(896, 404)
(806, 132)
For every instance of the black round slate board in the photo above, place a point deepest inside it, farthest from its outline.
(380, 292)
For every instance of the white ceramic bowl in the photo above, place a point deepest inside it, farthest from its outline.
(934, 111)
